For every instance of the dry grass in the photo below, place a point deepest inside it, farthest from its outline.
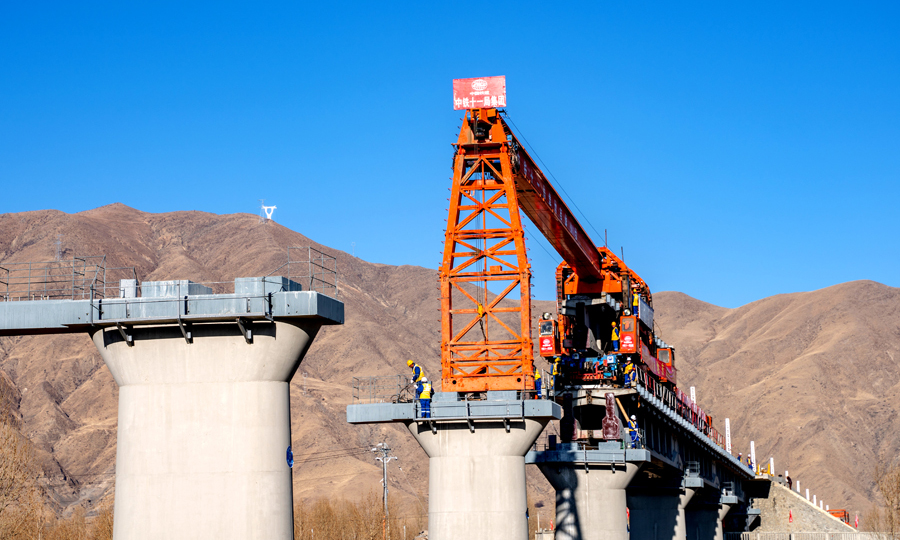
(884, 517)
(324, 519)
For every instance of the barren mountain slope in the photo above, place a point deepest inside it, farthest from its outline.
(68, 399)
(809, 376)
(813, 378)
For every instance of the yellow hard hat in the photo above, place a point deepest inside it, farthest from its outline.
(409, 363)
(614, 323)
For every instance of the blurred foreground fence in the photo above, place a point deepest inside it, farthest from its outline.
(808, 536)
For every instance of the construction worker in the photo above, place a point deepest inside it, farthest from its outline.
(629, 373)
(615, 336)
(537, 383)
(418, 375)
(555, 372)
(635, 302)
(633, 431)
(425, 398)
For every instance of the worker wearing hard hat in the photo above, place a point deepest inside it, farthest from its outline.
(635, 302)
(633, 431)
(615, 336)
(537, 383)
(425, 398)
(418, 375)
(555, 372)
(629, 373)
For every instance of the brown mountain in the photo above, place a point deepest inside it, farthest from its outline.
(809, 376)
(813, 378)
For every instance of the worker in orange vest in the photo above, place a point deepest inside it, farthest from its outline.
(615, 336)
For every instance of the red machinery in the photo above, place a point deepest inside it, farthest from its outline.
(485, 276)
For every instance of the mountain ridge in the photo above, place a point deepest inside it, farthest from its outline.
(780, 367)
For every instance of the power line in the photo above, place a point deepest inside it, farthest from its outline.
(547, 169)
(385, 458)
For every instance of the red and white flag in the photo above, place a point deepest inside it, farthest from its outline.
(857, 521)
(790, 516)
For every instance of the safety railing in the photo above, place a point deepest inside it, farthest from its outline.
(676, 402)
(807, 536)
(311, 268)
(395, 389)
(692, 468)
(80, 278)
(86, 278)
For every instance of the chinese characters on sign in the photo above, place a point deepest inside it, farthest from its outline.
(547, 348)
(479, 93)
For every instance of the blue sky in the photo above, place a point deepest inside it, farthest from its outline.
(734, 152)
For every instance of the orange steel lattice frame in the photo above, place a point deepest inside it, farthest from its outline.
(484, 346)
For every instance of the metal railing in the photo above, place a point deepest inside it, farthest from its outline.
(88, 278)
(806, 536)
(671, 400)
(312, 269)
(80, 278)
(395, 389)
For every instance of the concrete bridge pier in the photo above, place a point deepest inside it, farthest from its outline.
(590, 499)
(204, 409)
(724, 508)
(703, 515)
(659, 514)
(476, 465)
(204, 428)
(476, 478)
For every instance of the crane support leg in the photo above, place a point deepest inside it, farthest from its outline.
(485, 278)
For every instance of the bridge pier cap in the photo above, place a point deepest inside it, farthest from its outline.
(204, 405)
(476, 465)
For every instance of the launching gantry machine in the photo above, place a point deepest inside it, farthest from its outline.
(485, 419)
(485, 276)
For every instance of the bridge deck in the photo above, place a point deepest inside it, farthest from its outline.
(261, 298)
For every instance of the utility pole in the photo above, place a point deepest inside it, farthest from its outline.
(385, 457)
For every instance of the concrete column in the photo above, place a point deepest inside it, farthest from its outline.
(590, 503)
(476, 480)
(203, 430)
(660, 515)
(702, 521)
(720, 523)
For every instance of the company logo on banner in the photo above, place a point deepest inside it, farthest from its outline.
(480, 93)
(628, 343)
(546, 345)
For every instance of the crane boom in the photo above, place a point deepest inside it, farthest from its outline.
(546, 209)
(485, 275)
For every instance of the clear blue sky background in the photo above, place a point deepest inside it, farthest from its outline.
(736, 152)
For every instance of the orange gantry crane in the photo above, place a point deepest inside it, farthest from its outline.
(485, 275)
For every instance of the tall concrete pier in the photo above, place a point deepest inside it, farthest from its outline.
(671, 478)
(204, 430)
(476, 465)
(590, 490)
(204, 407)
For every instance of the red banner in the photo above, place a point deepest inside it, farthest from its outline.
(547, 348)
(480, 93)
